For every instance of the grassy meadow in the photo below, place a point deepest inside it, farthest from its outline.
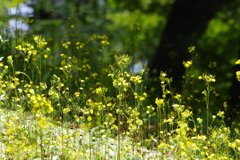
(84, 101)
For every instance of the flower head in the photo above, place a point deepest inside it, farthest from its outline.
(207, 78)
(159, 102)
(187, 64)
(238, 61)
(238, 75)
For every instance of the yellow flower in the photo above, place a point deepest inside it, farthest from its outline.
(77, 94)
(36, 38)
(31, 91)
(109, 104)
(191, 49)
(221, 114)
(65, 45)
(199, 120)
(238, 75)
(100, 91)
(207, 78)
(159, 102)
(66, 110)
(9, 59)
(104, 42)
(42, 122)
(238, 61)
(178, 96)
(187, 64)
(139, 122)
(89, 118)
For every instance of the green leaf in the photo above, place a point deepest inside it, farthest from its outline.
(46, 76)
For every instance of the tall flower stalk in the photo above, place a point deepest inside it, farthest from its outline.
(208, 78)
(121, 82)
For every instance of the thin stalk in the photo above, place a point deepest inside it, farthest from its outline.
(119, 122)
(102, 57)
(41, 143)
(40, 70)
(133, 146)
(159, 125)
(24, 75)
(90, 147)
(207, 104)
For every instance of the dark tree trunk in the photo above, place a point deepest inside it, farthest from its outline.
(186, 23)
(234, 93)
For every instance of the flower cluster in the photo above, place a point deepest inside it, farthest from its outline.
(122, 83)
(40, 104)
(40, 41)
(101, 91)
(238, 72)
(66, 44)
(136, 79)
(207, 78)
(133, 120)
(187, 64)
(28, 50)
(119, 74)
(191, 49)
(159, 102)
(79, 45)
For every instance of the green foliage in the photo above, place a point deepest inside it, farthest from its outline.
(10, 3)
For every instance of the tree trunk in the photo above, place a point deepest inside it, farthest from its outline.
(186, 23)
(234, 93)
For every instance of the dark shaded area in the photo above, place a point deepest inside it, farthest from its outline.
(234, 93)
(42, 13)
(186, 24)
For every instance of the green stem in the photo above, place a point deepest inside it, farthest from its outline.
(207, 104)
(24, 75)
(119, 122)
(89, 139)
(40, 70)
(158, 122)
